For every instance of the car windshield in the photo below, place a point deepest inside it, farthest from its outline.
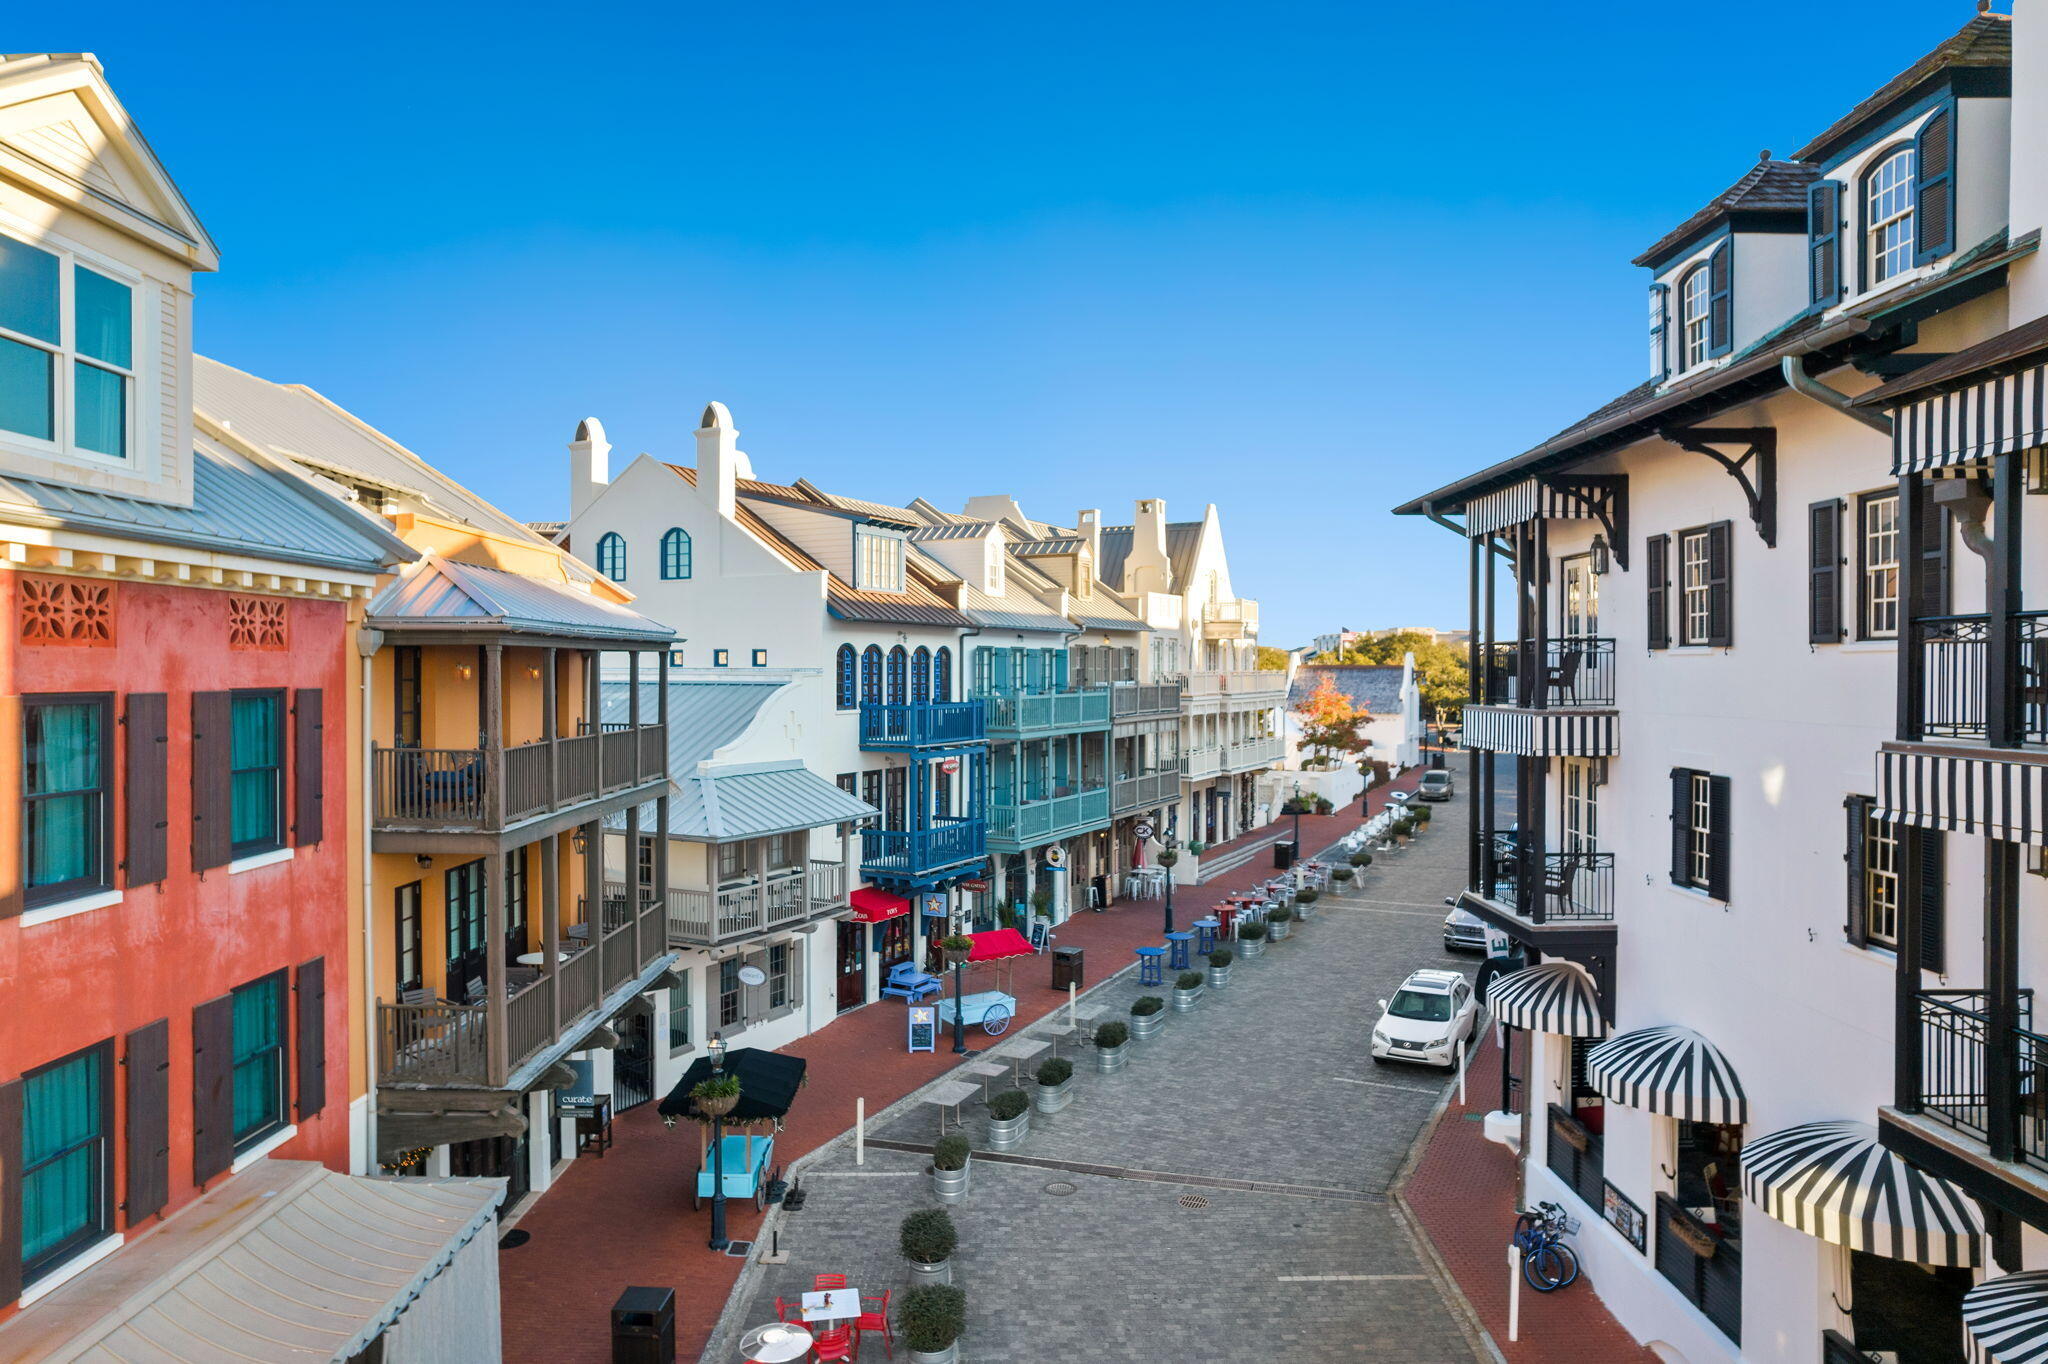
(1429, 1008)
(1437, 779)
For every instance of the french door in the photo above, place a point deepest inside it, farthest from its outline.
(463, 908)
(1578, 597)
(853, 966)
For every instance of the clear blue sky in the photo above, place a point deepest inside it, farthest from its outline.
(1300, 260)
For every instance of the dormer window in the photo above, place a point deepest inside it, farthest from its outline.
(878, 560)
(1694, 327)
(1888, 216)
(66, 352)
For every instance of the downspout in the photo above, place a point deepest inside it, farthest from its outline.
(1799, 381)
(368, 642)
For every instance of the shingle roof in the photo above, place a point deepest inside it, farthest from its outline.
(1373, 687)
(1767, 187)
(2021, 343)
(439, 593)
(1984, 42)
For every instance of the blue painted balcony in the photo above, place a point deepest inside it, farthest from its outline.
(907, 727)
(1014, 828)
(1021, 715)
(917, 857)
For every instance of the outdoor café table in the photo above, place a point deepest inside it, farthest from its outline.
(833, 1304)
(1179, 958)
(1205, 934)
(949, 1094)
(779, 1342)
(1020, 1051)
(1149, 959)
(987, 1070)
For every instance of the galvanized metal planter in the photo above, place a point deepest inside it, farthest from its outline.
(949, 1355)
(942, 1272)
(1145, 1027)
(1277, 932)
(1052, 1098)
(1251, 947)
(1184, 1000)
(1110, 1060)
(951, 1185)
(1219, 977)
(1007, 1134)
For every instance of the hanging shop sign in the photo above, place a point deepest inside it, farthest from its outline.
(1143, 830)
(949, 766)
(1056, 858)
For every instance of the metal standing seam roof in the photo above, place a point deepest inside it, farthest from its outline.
(1103, 612)
(953, 530)
(287, 1262)
(997, 613)
(442, 593)
(753, 800)
(238, 507)
(704, 715)
(1183, 540)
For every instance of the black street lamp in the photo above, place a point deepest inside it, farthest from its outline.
(1297, 820)
(716, 1047)
(959, 1017)
(1172, 846)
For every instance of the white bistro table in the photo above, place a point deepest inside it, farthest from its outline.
(950, 1094)
(833, 1304)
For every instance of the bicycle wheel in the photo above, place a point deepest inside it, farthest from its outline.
(1545, 1269)
(1571, 1259)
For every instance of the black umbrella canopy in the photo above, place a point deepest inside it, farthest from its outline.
(768, 1085)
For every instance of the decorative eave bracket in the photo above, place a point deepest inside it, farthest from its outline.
(1755, 470)
(1605, 498)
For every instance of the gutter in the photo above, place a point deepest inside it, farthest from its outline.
(368, 642)
(1799, 381)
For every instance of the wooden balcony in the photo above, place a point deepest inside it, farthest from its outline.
(782, 899)
(489, 790)
(1246, 755)
(1232, 618)
(1146, 791)
(911, 857)
(1015, 715)
(1014, 828)
(909, 726)
(1144, 701)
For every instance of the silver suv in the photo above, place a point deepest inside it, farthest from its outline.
(1436, 785)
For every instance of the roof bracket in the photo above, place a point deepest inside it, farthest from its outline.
(1755, 470)
(1605, 498)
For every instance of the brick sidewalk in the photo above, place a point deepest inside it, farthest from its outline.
(1463, 1194)
(626, 1219)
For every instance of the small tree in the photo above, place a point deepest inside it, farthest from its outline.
(1329, 722)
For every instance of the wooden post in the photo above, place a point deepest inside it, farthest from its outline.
(860, 1131)
(593, 718)
(551, 728)
(492, 740)
(2002, 713)
(1911, 663)
(497, 1049)
(551, 913)
(2002, 994)
(593, 897)
(633, 901)
(1906, 1035)
(661, 854)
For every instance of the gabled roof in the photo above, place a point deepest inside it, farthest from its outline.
(1183, 542)
(1004, 613)
(1769, 188)
(1984, 44)
(881, 511)
(953, 530)
(1103, 612)
(1372, 687)
(442, 594)
(704, 714)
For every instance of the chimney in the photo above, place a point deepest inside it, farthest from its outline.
(718, 459)
(1148, 569)
(589, 465)
(1089, 523)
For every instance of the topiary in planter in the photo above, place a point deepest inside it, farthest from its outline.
(1307, 895)
(1361, 859)
(933, 1317)
(1192, 980)
(1112, 1034)
(1055, 1070)
(1144, 1006)
(1008, 1104)
(1280, 914)
(950, 1153)
(1341, 874)
(1252, 931)
(927, 1236)
(1222, 956)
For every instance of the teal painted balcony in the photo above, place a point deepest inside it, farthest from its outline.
(1014, 828)
(1023, 715)
(913, 858)
(905, 727)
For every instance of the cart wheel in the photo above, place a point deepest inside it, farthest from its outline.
(996, 1021)
(760, 1195)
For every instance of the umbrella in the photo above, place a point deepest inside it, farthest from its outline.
(768, 1085)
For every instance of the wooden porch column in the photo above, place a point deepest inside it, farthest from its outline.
(551, 728)
(2002, 714)
(1539, 612)
(1474, 682)
(593, 714)
(2002, 993)
(550, 915)
(633, 689)
(1906, 1036)
(633, 900)
(1912, 589)
(661, 852)
(496, 1049)
(493, 742)
(593, 893)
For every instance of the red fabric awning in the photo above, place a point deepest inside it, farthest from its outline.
(871, 906)
(998, 943)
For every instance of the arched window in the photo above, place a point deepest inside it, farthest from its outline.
(675, 553)
(921, 675)
(1695, 328)
(845, 693)
(611, 556)
(1888, 215)
(942, 675)
(899, 683)
(871, 676)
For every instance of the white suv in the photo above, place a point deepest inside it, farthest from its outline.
(1430, 1015)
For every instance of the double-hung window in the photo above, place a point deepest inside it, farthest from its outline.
(778, 976)
(408, 956)
(67, 791)
(259, 1069)
(67, 365)
(679, 1015)
(732, 862)
(1695, 315)
(1699, 831)
(729, 993)
(1877, 594)
(67, 1200)
(1888, 217)
(1880, 880)
(256, 763)
(1705, 609)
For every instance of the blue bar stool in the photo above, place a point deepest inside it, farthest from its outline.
(1178, 942)
(1149, 966)
(1205, 935)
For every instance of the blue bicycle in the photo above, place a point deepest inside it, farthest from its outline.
(1548, 1264)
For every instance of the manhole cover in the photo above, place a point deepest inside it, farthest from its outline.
(1059, 1188)
(739, 1249)
(1193, 1202)
(515, 1237)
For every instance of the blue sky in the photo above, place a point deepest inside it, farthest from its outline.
(1300, 260)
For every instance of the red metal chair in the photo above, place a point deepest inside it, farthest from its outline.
(874, 1316)
(822, 1282)
(833, 1346)
(789, 1312)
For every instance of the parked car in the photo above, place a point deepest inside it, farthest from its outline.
(1428, 1017)
(1464, 931)
(1436, 785)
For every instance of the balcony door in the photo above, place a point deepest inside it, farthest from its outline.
(1579, 829)
(1578, 597)
(464, 910)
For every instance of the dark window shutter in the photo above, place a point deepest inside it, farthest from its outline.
(212, 787)
(10, 1191)
(1824, 242)
(1660, 332)
(1717, 837)
(1720, 606)
(312, 1033)
(1933, 884)
(149, 1120)
(1933, 538)
(1657, 574)
(1681, 825)
(1934, 187)
(309, 766)
(1857, 925)
(1824, 572)
(11, 888)
(213, 1088)
(1721, 299)
(148, 790)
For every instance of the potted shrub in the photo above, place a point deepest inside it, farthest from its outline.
(1323, 805)
(1055, 1085)
(1403, 828)
(952, 1162)
(1187, 988)
(1148, 1016)
(1341, 874)
(1112, 1048)
(1305, 903)
(1421, 814)
(717, 1096)
(933, 1317)
(1279, 922)
(1219, 968)
(1041, 903)
(956, 948)
(1009, 1120)
(928, 1239)
(1251, 939)
(1361, 860)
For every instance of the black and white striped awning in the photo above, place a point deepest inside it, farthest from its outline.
(2008, 1317)
(1555, 996)
(2002, 798)
(1992, 417)
(1540, 733)
(1539, 499)
(1833, 1180)
(1668, 1070)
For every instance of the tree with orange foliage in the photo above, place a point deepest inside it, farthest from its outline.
(1329, 722)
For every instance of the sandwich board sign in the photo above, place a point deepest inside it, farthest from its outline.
(924, 1028)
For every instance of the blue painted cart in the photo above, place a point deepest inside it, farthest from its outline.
(991, 1009)
(746, 1161)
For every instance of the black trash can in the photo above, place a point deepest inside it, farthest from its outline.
(1283, 855)
(644, 1326)
(1067, 968)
